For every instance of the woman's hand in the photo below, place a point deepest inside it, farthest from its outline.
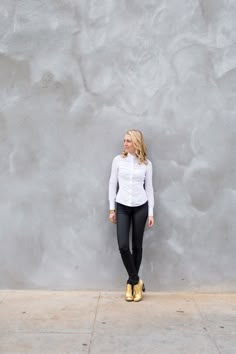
(150, 221)
(112, 217)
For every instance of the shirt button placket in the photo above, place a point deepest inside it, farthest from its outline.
(131, 182)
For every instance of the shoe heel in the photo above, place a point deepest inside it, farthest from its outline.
(144, 288)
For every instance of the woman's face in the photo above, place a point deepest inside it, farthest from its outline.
(128, 144)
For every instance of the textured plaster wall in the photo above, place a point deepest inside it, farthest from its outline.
(74, 76)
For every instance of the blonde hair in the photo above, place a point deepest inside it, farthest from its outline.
(140, 147)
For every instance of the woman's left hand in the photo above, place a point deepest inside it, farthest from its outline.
(150, 221)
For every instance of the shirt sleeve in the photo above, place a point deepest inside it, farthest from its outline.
(149, 188)
(113, 183)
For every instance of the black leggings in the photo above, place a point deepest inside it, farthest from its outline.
(138, 215)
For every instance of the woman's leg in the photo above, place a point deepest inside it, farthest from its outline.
(124, 215)
(139, 219)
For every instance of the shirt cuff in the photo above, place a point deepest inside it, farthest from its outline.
(150, 211)
(112, 205)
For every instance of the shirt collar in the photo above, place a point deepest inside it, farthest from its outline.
(131, 156)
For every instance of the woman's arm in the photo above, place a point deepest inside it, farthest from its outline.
(149, 188)
(113, 183)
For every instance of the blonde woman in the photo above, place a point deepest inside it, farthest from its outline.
(132, 204)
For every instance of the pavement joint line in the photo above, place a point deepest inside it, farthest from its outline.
(94, 321)
(203, 318)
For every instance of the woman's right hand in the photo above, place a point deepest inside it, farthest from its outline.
(112, 217)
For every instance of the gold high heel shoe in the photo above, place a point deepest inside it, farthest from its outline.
(129, 293)
(138, 288)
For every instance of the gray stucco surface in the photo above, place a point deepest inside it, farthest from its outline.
(74, 76)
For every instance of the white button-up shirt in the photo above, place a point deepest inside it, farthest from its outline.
(135, 182)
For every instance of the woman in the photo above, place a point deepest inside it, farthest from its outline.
(134, 204)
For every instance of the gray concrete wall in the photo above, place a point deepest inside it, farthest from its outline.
(74, 76)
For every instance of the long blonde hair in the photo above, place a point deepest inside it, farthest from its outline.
(140, 147)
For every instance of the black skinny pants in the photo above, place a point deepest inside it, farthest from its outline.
(138, 216)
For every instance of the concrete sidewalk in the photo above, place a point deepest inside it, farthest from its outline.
(101, 322)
